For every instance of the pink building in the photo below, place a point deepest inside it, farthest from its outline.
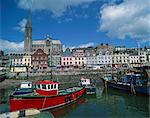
(67, 61)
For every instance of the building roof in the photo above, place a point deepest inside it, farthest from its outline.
(56, 42)
(38, 42)
(43, 42)
(67, 53)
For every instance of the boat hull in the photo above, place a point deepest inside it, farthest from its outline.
(43, 102)
(2, 77)
(23, 92)
(90, 90)
(145, 90)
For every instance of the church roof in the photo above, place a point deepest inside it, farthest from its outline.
(39, 42)
(56, 42)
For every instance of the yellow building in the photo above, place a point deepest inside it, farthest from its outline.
(17, 69)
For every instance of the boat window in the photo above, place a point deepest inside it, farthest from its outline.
(43, 86)
(38, 86)
(52, 86)
(49, 86)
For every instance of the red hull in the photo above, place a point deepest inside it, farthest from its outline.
(43, 102)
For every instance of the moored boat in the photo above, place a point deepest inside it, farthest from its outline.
(25, 88)
(86, 83)
(45, 96)
(131, 83)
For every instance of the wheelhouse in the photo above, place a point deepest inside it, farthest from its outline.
(46, 88)
(85, 82)
(26, 85)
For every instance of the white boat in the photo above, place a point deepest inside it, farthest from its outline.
(18, 114)
(25, 88)
(90, 88)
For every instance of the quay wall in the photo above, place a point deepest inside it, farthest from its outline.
(66, 79)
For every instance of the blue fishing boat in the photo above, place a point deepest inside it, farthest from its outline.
(135, 84)
(25, 88)
(86, 83)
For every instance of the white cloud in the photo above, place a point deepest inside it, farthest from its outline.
(21, 25)
(131, 19)
(79, 46)
(9, 46)
(86, 45)
(57, 7)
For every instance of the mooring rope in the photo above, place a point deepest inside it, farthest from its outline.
(44, 102)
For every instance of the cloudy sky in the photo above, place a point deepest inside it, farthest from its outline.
(77, 23)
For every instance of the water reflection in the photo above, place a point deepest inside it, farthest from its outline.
(63, 111)
(132, 102)
(4, 100)
(106, 103)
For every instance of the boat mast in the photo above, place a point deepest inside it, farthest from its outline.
(51, 58)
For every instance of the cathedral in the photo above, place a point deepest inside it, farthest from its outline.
(47, 45)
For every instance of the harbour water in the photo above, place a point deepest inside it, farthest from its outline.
(106, 103)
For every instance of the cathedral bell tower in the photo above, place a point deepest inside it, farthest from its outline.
(28, 34)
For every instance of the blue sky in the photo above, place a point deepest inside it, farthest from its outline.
(77, 23)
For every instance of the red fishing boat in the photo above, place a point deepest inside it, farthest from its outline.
(45, 96)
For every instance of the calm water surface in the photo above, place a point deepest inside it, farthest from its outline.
(106, 103)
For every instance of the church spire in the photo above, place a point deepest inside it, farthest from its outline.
(28, 33)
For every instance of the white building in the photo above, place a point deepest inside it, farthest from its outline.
(79, 61)
(120, 58)
(26, 60)
(79, 57)
(134, 60)
(104, 58)
(91, 60)
(20, 59)
(143, 57)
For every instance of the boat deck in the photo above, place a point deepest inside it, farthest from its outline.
(61, 92)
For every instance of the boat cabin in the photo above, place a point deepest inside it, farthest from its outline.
(46, 88)
(26, 85)
(85, 82)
